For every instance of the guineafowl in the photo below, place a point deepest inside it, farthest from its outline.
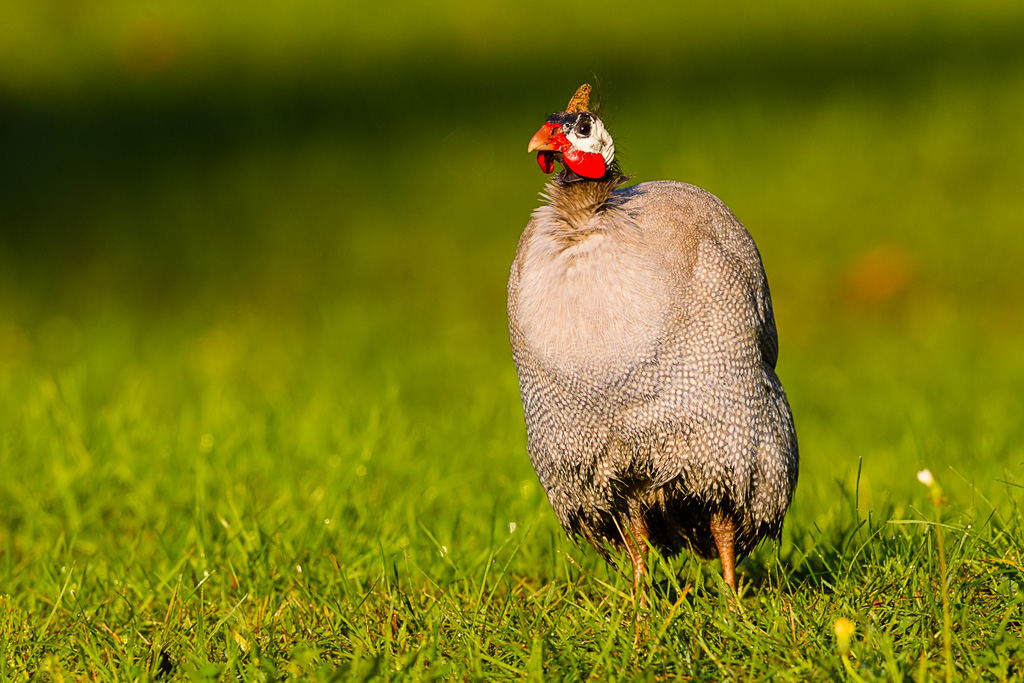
(643, 335)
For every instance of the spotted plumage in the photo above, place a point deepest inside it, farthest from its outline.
(643, 335)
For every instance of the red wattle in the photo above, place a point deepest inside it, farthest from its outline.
(546, 159)
(586, 164)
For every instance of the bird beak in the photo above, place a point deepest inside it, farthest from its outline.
(544, 139)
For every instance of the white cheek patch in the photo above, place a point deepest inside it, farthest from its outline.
(599, 142)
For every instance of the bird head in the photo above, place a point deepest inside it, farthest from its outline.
(577, 138)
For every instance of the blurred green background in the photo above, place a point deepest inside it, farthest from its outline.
(305, 212)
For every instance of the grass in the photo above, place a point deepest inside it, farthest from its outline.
(258, 417)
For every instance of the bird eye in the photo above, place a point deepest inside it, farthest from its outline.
(583, 127)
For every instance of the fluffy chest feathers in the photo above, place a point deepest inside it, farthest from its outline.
(590, 298)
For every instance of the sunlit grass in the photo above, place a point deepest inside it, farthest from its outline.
(258, 415)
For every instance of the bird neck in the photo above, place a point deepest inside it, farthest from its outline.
(576, 203)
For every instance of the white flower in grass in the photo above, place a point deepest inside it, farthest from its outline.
(934, 490)
(511, 527)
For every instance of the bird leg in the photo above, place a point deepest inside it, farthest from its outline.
(724, 531)
(636, 545)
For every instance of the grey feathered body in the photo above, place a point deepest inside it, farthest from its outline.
(643, 335)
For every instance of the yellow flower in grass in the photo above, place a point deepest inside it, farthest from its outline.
(844, 635)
